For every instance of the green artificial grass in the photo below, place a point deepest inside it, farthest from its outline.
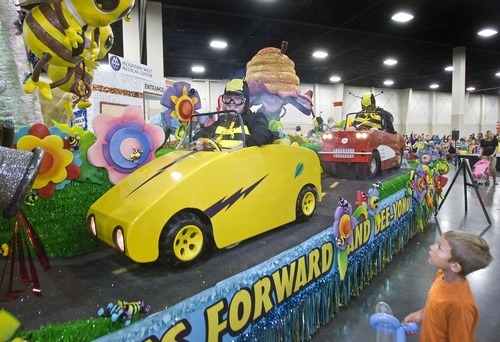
(393, 185)
(59, 220)
(76, 331)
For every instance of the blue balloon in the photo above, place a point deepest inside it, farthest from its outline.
(387, 324)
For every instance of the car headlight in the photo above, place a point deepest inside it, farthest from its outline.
(119, 239)
(91, 225)
(327, 136)
(361, 135)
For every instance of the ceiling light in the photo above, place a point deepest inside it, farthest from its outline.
(320, 54)
(448, 68)
(390, 61)
(402, 17)
(470, 89)
(487, 32)
(388, 82)
(335, 78)
(198, 68)
(218, 44)
(434, 86)
(497, 74)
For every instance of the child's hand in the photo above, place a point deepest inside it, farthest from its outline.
(414, 317)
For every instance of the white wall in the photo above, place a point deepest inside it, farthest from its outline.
(413, 111)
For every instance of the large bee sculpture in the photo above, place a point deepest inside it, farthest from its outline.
(80, 82)
(62, 33)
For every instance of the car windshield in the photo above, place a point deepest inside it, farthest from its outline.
(222, 130)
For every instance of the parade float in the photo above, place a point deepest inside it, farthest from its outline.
(285, 298)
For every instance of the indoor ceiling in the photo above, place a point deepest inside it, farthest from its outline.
(357, 35)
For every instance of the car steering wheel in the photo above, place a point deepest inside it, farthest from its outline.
(210, 142)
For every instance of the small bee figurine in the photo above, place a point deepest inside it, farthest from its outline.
(133, 308)
(135, 155)
(114, 311)
(73, 141)
(31, 199)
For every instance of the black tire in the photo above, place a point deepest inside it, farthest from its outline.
(374, 167)
(400, 160)
(184, 240)
(306, 203)
(361, 170)
(331, 168)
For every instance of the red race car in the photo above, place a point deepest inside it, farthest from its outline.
(367, 152)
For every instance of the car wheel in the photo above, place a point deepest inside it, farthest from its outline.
(331, 168)
(361, 170)
(183, 241)
(374, 167)
(306, 203)
(400, 160)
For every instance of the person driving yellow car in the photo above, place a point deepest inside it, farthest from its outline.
(236, 97)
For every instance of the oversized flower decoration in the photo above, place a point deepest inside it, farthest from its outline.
(181, 102)
(124, 143)
(361, 211)
(430, 193)
(441, 182)
(59, 165)
(273, 103)
(419, 186)
(373, 198)
(343, 225)
(373, 201)
(80, 140)
(428, 156)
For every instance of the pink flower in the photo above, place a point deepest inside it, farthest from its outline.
(124, 143)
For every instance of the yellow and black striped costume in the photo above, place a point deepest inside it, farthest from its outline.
(44, 33)
(368, 119)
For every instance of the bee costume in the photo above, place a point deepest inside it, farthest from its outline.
(372, 116)
(256, 125)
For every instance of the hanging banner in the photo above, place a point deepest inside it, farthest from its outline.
(154, 88)
(129, 67)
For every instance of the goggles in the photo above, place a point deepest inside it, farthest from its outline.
(234, 98)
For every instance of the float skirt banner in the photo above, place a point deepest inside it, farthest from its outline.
(289, 296)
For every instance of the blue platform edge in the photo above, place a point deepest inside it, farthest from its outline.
(289, 296)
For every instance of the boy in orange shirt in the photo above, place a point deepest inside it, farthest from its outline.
(450, 312)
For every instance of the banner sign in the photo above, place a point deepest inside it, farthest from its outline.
(129, 67)
(155, 88)
(80, 118)
(232, 307)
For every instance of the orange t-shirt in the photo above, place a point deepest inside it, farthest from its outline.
(450, 312)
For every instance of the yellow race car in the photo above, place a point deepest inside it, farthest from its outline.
(210, 191)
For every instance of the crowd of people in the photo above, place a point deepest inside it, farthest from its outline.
(470, 145)
(448, 146)
(486, 146)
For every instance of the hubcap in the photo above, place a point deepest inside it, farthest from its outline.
(308, 203)
(188, 243)
(373, 166)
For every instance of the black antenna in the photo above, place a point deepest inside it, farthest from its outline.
(359, 97)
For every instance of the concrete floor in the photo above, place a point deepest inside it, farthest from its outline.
(404, 283)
